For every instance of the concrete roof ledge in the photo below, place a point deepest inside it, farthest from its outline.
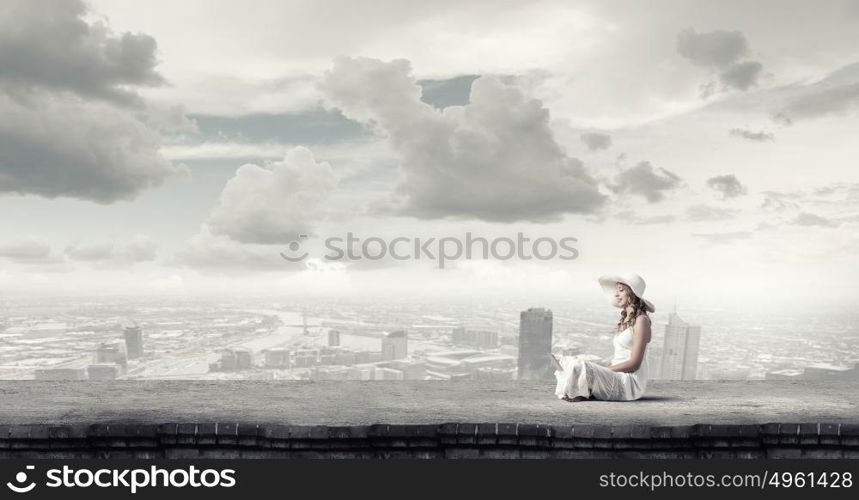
(431, 419)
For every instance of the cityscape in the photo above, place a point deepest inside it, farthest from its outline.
(251, 339)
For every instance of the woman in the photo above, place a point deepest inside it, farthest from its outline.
(625, 379)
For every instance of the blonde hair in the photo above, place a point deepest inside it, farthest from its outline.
(638, 309)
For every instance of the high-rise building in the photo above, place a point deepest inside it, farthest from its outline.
(111, 352)
(484, 339)
(535, 344)
(244, 359)
(228, 361)
(394, 345)
(276, 357)
(234, 359)
(679, 350)
(133, 342)
(333, 338)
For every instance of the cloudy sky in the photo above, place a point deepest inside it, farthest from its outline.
(151, 147)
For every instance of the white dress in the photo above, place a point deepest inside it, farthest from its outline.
(586, 378)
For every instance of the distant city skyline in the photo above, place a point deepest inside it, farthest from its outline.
(251, 339)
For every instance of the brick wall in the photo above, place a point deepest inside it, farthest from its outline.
(447, 440)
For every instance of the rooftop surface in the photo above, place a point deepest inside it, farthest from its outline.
(331, 403)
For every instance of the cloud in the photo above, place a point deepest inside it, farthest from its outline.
(837, 201)
(699, 213)
(776, 202)
(836, 94)
(47, 44)
(742, 75)
(752, 136)
(171, 119)
(833, 100)
(723, 238)
(494, 159)
(167, 283)
(720, 51)
(225, 92)
(211, 252)
(633, 218)
(719, 48)
(139, 248)
(781, 119)
(837, 198)
(448, 92)
(26, 251)
(65, 88)
(849, 191)
(830, 189)
(595, 140)
(311, 127)
(645, 181)
(807, 219)
(727, 185)
(274, 203)
(87, 151)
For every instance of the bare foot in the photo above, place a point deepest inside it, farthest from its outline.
(556, 363)
(575, 399)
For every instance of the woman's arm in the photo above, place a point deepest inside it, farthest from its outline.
(640, 337)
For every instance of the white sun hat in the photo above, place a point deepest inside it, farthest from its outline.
(609, 282)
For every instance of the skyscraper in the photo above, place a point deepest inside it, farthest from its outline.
(535, 344)
(111, 352)
(394, 345)
(680, 349)
(483, 339)
(133, 342)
